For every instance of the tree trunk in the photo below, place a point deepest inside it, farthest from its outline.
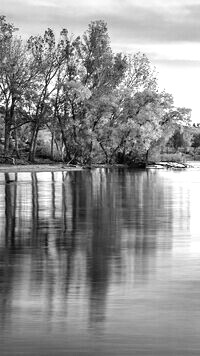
(104, 151)
(64, 139)
(16, 143)
(7, 136)
(147, 156)
(52, 145)
(33, 143)
(89, 159)
(9, 115)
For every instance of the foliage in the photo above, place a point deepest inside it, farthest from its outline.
(95, 104)
(172, 157)
(196, 139)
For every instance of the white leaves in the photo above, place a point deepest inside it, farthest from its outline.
(76, 90)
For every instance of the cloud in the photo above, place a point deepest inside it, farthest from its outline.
(129, 21)
(157, 24)
(168, 31)
(178, 63)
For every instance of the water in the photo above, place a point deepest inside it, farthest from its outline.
(100, 262)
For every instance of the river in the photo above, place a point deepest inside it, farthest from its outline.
(100, 262)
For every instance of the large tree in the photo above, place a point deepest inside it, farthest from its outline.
(104, 71)
(11, 75)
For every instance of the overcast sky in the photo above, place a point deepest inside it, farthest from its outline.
(168, 31)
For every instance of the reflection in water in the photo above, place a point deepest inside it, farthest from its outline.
(95, 262)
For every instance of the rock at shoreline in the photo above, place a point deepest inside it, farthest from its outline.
(174, 165)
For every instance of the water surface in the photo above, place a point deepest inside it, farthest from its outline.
(100, 262)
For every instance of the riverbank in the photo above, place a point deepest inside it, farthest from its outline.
(38, 168)
(52, 167)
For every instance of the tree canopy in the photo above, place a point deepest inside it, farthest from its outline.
(91, 104)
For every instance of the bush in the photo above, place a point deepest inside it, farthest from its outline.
(172, 157)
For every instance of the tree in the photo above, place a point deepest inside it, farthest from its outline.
(68, 100)
(103, 73)
(121, 125)
(180, 139)
(48, 58)
(195, 139)
(10, 75)
(96, 104)
(17, 72)
(139, 75)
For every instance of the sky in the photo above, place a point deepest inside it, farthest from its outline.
(167, 31)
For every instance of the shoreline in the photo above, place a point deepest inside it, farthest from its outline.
(38, 168)
(61, 167)
(48, 167)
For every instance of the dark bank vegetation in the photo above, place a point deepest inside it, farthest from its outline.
(72, 99)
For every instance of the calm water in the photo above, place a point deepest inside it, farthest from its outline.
(101, 262)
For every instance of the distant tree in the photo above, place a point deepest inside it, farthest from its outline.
(181, 138)
(196, 140)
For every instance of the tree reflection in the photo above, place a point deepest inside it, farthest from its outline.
(35, 206)
(10, 208)
(70, 236)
